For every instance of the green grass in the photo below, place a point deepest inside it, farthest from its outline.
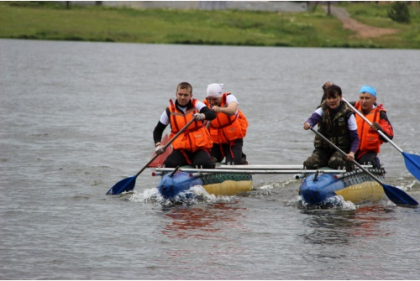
(53, 21)
(377, 15)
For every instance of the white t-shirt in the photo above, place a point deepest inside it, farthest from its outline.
(164, 118)
(231, 98)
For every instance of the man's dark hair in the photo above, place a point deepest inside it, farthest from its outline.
(184, 85)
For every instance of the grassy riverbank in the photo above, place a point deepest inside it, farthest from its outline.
(30, 20)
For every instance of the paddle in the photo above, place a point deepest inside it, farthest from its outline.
(396, 195)
(128, 184)
(412, 161)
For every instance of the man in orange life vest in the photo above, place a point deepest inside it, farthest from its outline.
(228, 128)
(193, 146)
(370, 140)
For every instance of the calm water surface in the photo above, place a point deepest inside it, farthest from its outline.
(78, 117)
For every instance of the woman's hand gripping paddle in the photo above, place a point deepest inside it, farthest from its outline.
(412, 161)
(128, 184)
(396, 195)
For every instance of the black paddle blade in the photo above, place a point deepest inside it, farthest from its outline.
(124, 185)
(398, 196)
(412, 162)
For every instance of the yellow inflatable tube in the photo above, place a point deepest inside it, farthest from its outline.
(228, 187)
(362, 192)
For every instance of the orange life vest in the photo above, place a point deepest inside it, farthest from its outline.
(369, 138)
(224, 128)
(195, 137)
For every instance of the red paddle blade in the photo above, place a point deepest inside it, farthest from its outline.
(159, 160)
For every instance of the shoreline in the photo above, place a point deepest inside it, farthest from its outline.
(203, 27)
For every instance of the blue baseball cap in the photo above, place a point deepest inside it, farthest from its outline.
(368, 89)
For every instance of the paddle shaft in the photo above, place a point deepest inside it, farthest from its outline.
(342, 152)
(165, 146)
(370, 123)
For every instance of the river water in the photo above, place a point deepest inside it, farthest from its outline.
(78, 117)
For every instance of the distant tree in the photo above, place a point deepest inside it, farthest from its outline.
(399, 12)
(312, 5)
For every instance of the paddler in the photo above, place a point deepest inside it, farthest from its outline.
(336, 122)
(229, 127)
(370, 140)
(192, 147)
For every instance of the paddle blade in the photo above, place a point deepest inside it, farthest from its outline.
(124, 185)
(162, 157)
(412, 162)
(399, 196)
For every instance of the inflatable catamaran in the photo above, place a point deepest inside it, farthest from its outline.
(316, 188)
(358, 186)
(363, 184)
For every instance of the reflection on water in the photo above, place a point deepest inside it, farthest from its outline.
(338, 226)
(367, 221)
(327, 226)
(202, 221)
(199, 239)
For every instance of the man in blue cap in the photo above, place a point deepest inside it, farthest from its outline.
(370, 140)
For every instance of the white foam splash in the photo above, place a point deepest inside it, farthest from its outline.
(409, 186)
(266, 186)
(333, 202)
(147, 195)
(194, 195)
(277, 184)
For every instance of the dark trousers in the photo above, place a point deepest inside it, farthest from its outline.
(200, 159)
(370, 158)
(232, 153)
(331, 158)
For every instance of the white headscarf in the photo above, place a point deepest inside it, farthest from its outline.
(215, 90)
